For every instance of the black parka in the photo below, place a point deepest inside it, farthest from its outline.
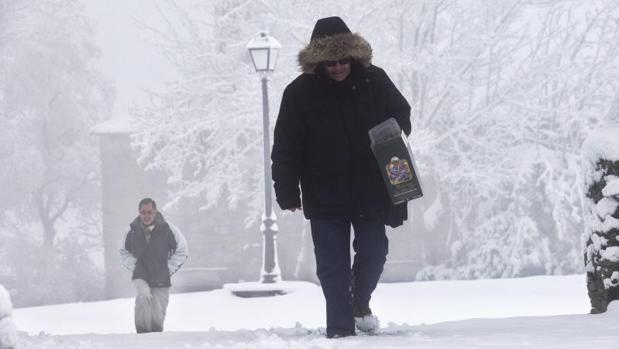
(321, 143)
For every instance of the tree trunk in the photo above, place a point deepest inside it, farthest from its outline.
(45, 216)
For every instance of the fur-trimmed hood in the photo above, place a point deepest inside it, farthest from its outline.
(334, 47)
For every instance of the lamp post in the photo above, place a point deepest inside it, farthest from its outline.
(264, 51)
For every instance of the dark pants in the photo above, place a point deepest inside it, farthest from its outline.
(343, 287)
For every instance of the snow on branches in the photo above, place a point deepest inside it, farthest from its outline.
(503, 93)
(8, 336)
(601, 163)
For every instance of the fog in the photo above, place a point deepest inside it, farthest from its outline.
(104, 103)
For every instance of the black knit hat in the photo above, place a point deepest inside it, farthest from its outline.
(329, 26)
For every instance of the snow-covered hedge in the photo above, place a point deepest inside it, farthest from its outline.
(8, 337)
(601, 160)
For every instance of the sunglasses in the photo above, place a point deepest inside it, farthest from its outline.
(341, 61)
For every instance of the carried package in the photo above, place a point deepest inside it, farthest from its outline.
(395, 161)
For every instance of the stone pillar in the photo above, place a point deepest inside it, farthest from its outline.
(123, 184)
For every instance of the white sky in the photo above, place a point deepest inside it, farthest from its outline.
(127, 58)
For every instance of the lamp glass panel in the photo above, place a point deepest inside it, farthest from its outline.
(260, 58)
(273, 58)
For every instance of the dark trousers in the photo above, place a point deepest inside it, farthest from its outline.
(344, 287)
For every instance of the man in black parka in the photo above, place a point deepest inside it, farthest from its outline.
(321, 144)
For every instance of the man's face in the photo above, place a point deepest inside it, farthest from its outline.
(337, 70)
(147, 214)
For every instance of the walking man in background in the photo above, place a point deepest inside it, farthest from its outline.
(321, 143)
(153, 251)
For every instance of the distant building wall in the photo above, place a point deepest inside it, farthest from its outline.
(123, 184)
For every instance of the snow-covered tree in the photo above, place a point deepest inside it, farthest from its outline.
(601, 237)
(8, 335)
(50, 96)
(205, 129)
(503, 95)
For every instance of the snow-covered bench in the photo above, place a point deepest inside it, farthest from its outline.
(8, 337)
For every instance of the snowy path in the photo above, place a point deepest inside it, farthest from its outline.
(537, 312)
(566, 331)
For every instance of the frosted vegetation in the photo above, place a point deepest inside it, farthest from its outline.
(503, 94)
(50, 96)
(601, 164)
(8, 334)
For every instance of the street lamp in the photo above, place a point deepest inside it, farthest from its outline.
(264, 51)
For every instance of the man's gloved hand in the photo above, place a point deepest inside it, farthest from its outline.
(142, 288)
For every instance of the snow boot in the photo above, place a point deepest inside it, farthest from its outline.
(365, 321)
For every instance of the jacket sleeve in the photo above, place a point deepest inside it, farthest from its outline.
(126, 257)
(287, 154)
(180, 254)
(397, 105)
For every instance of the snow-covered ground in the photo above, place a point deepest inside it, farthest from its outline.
(535, 312)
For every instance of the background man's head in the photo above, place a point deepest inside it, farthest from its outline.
(147, 209)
